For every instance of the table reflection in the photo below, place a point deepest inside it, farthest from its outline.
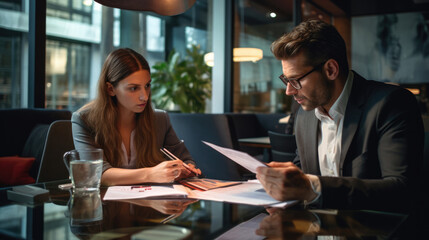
(85, 213)
(308, 224)
(85, 207)
(164, 206)
(89, 218)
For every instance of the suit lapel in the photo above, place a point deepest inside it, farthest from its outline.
(311, 123)
(352, 116)
(314, 129)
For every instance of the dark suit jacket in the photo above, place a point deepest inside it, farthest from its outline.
(165, 135)
(382, 145)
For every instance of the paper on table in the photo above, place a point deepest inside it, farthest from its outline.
(245, 230)
(251, 193)
(242, 158)
(145, 191)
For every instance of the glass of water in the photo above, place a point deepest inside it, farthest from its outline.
(85, 167)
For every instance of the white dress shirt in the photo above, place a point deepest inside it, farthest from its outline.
(331, 131)
(129, 161)
(329, 136)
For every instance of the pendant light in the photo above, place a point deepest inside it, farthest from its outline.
(240, 54)
(162, 7)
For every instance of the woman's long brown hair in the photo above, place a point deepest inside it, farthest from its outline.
(101, 114)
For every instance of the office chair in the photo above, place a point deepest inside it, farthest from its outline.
(283, 146)
(58, 141)
(213, 128)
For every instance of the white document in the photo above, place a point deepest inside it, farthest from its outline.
(146, 191)
(245, 230)
(251, 193)
(242, 158)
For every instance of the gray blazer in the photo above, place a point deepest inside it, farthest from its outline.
(166, 137)
(382, 147)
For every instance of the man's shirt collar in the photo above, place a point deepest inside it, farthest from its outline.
(339, 107)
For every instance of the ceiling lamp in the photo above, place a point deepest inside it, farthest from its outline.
(87, 3)
(162, 7)
(239, 55)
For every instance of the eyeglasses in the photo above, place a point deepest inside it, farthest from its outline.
(295, 81)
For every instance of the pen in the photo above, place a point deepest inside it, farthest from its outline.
(65, 186)
(167, 219)
(145, 187)
(173, 157)
(166, 154)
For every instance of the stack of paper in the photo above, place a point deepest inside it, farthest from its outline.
(146, 191)
(250, 192)
(205, 184)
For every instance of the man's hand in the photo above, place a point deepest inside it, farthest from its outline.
(284, 181)
(289, 224)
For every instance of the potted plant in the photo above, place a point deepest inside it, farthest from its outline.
(182, 82)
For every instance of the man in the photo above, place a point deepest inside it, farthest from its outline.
(359, 142)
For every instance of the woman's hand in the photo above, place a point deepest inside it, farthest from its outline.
(195, 170)
(171, 206)
(167, 171)
(190, 171)
(167, 206)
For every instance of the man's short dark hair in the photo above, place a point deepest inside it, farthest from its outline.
(318, 41)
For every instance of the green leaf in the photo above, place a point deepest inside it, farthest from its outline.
(184, 82)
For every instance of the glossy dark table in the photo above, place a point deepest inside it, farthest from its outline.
(88, 217)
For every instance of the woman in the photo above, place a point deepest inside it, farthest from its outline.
(121, 121)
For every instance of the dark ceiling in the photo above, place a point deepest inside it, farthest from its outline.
(375, 7)
(345, 7)
(255, 11)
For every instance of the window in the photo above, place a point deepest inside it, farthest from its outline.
(12, 46)
(155, 40)
(10, 67)
(80, 37)
(256, 84)
(75, 10)
(80, 34)
(67, 74)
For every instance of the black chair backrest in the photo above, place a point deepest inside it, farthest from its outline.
(245, 125)
(58, 141)
(283, 146)
(16, 126)
(193, 128)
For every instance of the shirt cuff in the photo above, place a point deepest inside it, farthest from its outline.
(315, 185)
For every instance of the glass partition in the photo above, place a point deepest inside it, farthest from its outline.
(82, 33)
(13, 44)
(256, 84)
(79, 36)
